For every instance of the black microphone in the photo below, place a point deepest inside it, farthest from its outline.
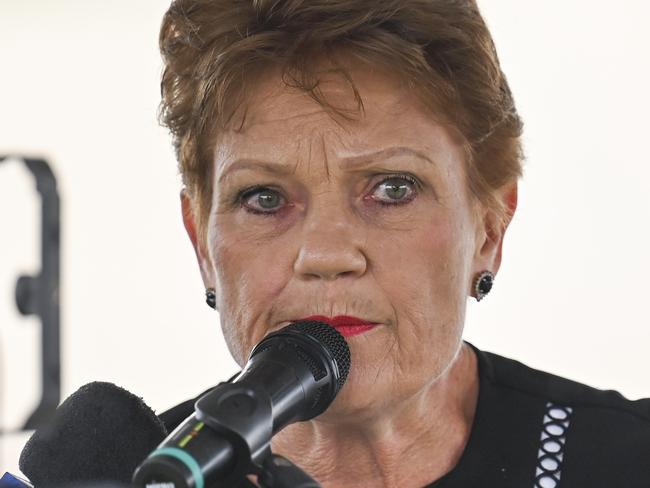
(98, 436)
(292, 375)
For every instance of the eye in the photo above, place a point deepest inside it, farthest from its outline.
(262, 200)
(395, 190)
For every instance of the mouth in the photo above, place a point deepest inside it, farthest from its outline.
(347, 326)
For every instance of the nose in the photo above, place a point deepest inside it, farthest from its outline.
(331, 245)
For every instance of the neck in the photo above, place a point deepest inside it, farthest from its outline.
(410, 445)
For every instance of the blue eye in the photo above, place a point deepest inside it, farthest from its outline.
(262, 200)
(395, 190)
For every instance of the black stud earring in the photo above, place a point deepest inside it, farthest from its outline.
(483, 284)
(211, 298)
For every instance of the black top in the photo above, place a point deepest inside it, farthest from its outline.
(533, 429)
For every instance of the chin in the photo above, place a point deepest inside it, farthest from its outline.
(362, 396)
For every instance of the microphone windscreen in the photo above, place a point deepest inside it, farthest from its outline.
(99, 434)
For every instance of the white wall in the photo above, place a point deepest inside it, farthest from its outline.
(79, 85)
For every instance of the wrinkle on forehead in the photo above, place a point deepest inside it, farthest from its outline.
(293, 117)
(325, 159)
(286, 125)
(312, 116)
(316, 151)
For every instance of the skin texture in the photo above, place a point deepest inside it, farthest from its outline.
(348, 238)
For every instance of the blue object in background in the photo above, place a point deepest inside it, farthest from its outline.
(11, 481)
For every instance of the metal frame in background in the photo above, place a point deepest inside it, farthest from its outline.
(39, 294)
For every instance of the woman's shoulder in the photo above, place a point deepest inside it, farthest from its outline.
(507, 373)
(503, 372)
(589, 437)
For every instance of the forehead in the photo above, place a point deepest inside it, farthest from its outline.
(281, 121)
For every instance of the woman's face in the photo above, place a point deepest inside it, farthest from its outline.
(370, 219)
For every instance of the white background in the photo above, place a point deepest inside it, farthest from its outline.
(79, 84)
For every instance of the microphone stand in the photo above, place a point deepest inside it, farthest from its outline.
(279, 472)
(40, 294)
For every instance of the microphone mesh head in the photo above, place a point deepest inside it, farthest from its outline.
(98, 434)
(331, 339)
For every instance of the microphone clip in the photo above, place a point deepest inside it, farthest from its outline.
(242, 415)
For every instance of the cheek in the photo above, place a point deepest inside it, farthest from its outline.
(252, 269)
(429, 261)
(250, 277)
(449, 251)
(424, 274)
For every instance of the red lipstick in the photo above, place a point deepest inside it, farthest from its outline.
(347, 326)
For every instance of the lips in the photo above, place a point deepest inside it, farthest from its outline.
(346, 325)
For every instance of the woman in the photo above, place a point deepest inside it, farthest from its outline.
(357, 162)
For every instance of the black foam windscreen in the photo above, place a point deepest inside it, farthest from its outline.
(98, 435)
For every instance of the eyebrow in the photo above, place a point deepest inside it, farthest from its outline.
(351, 162)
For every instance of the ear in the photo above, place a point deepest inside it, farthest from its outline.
(191, 226)
(491, 230)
